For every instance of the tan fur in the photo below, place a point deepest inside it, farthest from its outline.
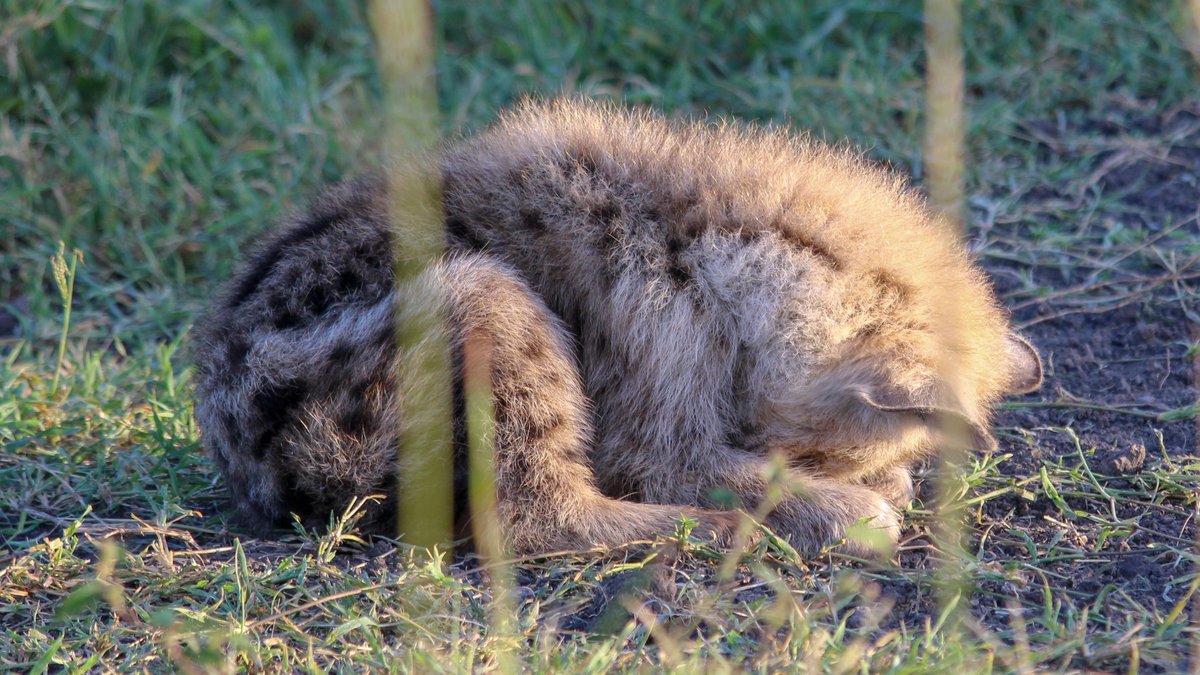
(717, 293)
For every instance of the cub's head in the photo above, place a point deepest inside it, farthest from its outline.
(905, 381)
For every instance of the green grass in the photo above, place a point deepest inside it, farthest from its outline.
(159, 138)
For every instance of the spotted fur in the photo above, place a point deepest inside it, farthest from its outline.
(667, 304)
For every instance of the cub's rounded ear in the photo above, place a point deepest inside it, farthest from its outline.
(1024, 365)
(940, 415)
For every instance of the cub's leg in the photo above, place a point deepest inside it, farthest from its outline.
(895, 485)
(812, 511)
(547, 493)
(820, 510)
(824, 511)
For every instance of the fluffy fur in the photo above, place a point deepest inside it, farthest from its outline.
(667, 305)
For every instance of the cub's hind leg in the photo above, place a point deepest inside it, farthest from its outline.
(546, 489)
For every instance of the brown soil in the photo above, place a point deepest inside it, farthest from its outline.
(1114, 332)
(1133, 359)
(1128, 350)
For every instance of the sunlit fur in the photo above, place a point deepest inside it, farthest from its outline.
(668, 304)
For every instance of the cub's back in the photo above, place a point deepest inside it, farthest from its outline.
(591, 202)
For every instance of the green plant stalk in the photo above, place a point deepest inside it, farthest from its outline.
(944, 120)
(405, 50)
(486, 525)
(1194, 618)
(943, 148)
(64, 278)
(1173, 415)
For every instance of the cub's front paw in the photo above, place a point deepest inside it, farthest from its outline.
(895, 485)
(875, 533)
(718, 527)
(864, 522)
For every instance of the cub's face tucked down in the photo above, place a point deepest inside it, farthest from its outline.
(667, 305)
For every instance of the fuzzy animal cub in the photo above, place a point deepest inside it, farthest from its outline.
(667, 305)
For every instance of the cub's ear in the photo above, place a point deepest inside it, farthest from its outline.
(944, 416)
(1024, 365)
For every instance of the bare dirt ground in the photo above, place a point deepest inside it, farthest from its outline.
(1118, 331)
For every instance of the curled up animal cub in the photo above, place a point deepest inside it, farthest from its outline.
(667, 305)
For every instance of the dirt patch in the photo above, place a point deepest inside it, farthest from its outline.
(1145, 161)
(1095, 512)
(1118, 329)
(1133, 362)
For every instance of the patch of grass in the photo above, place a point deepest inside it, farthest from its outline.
(160, 137)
